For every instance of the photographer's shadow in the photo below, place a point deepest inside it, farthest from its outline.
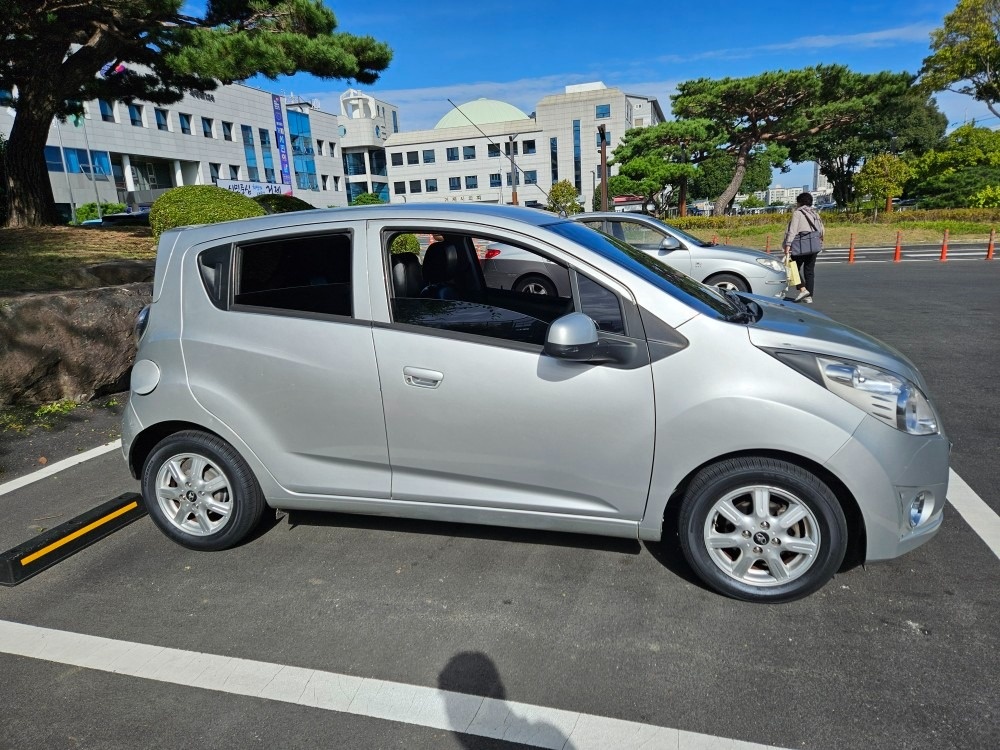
(477, 707)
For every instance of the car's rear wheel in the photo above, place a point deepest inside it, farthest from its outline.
(534, 284)
(200, 492)
(728, 281)
(762, 530)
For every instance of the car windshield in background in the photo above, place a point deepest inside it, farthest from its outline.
(690, 239)
(673, 282)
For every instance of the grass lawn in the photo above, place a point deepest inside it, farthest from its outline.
(43, 259)
(839, 235)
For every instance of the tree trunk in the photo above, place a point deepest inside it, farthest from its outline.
(888, 204)
(734, 185)
(27, 177)
(682, 209)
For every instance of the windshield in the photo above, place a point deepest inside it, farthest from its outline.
(690, 239)
(703, 298)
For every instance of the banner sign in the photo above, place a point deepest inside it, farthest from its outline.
(253, 189)
(279, 137)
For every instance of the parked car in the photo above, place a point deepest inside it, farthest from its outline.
(724, 266)
(292, 361)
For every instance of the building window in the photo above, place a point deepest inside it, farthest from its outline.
(107, 110)
(517, 180)
(495, 180)
(247, 133)
(185, 123)
(528, 147)
(554, 159)
(454, 183)
(269, 174)
(493, 149)
(431, 185)
(577, 152)
(471, 182)
(453, 153)
(213, 171)
(397, 159)
(412, 157)
(161, 119)
(227, 131)
(319, 148)
(135, 114)
(53, 159)
(325, 181)
(234, 171)
(395, 124)
(354, 163)
(265, 137)
(428, 156)
(336, 184)
(206, 127)
(607, 134)
(530, 177)
(468, 152)
(602, 111)
(506, 148)
(414, 186)
(399, 188)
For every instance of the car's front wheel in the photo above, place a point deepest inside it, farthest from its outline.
(762, 529)
(200, 492)
(728, 281)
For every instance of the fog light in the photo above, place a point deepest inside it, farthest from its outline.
(920, 508)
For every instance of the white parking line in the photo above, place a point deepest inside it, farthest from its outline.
(976, 513)
(48, 471)
(524, 723)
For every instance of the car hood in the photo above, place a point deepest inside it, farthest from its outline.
(787, 325)
(732, 252)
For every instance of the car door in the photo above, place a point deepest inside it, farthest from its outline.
(649, 239)
(476, 415)
(287, 359)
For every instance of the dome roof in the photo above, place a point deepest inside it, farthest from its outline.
(481, 112)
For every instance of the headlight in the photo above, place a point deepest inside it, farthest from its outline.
(771, 263)
(887, 397)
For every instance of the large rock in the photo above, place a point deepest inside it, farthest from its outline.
(68, 345)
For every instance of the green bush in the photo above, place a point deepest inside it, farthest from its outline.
(88, 211)
(405, 243)
(367, 199)
(952, 216)
(281, 204)
(199, 204)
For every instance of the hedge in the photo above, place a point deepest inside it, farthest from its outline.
(281, 204)
(967, 215)
(199, 204)
(405, 243)
(88, 211)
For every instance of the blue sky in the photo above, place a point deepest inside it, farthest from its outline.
(519, 52)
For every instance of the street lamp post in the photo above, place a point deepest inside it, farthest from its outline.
(604, 166)
(513, 169)
(593, 187)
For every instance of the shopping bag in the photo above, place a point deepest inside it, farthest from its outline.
(792, 269)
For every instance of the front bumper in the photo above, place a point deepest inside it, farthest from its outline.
(885, 470)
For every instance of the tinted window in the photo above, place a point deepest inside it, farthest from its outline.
(640, 235)
(601, 305)
(308, 274)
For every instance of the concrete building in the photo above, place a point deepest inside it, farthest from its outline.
(821, 184)
(365, 123)
(475, 151)
(250, 139)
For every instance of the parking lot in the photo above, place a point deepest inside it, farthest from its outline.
(574, 641)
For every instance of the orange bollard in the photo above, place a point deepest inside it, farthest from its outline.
(850, 253)
(715, 239)
(989, 248)
(767, 246)
(898, 256)
(944, 247)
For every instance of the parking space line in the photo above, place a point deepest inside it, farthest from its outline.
(48, 471)
(524, 723)
(975, 511)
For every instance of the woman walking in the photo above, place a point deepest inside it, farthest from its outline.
(803, 242)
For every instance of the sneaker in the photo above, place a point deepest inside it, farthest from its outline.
(808, 300)
(803, 295)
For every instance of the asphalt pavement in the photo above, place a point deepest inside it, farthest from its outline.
(903, 654)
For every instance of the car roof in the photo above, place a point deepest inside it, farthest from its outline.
(415, 212)
(610, 215)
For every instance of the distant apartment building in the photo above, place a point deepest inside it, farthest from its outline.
(486, 149)
(133, 153)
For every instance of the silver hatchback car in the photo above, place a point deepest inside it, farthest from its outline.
(726, 266)
(293, 361)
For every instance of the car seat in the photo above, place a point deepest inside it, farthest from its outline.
(407, 278)
(447, 271)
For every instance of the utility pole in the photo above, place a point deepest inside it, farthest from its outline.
(604, 166)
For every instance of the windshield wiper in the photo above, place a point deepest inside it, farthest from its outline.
(742, 313)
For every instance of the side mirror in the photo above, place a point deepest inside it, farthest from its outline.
(572, 337)
(670, 243)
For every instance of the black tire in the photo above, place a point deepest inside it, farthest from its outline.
(755, 567)
(209, 499)
(728, 281)
(534, 284)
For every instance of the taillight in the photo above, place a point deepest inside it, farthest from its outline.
(141, 321)
(490, 254)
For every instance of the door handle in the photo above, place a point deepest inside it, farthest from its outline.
(421, 378)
